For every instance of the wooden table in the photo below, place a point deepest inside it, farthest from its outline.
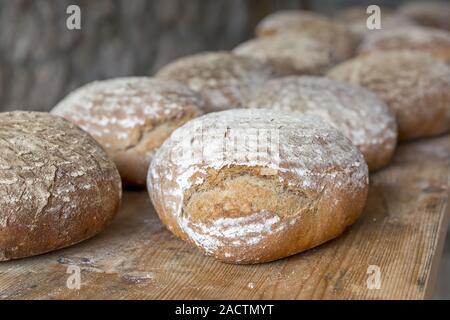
(401, 232)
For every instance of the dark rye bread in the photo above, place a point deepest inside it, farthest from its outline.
(57, 185)
(252, 185)
(131, 117)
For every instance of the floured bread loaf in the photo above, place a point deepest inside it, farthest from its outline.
(131, 118)
(57, 186)
(249, 186)
(313, 25)
(290, 54)
(433, 41)
(413, 84)
(428, 13)
(220, 77)
(358, 113)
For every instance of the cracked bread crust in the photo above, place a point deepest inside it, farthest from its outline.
(413, 84)
(428, 13)
(290, 54)
(358, 113)
(245, 207)
(222, 78)
(57, 185)
(131, 117)
(313, 25)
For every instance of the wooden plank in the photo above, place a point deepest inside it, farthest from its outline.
(402, 231)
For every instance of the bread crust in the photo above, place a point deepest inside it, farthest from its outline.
(358, 113)
(220, 77)
(414, 85)
(433, 41)
(313, 25)
(57, 185)
(131, 117)
(290, 54)
(243, 206)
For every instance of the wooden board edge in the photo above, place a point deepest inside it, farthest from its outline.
(437, 258)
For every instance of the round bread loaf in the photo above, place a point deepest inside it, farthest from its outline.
(358, 113)
(131, 118)
(57, 185)
(433, 41)
(220, 77)
(428, 13)
(313, 25)
(250, 186)
(413, 84)
(290, 54)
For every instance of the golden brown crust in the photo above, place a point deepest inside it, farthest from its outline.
(257, 203)
(316, 26)
(220, 77)
(57, 186)
(413, 84)
(131, 118)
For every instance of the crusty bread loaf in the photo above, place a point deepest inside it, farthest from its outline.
(433, 41)
(313, 25)
(249, 186)
(358, 113)
(131, 118)
(290, 54)
(220, 77)
(413, 84)
(57, 185)
(429, 13)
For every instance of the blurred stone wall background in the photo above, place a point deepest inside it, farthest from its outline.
(41, 60)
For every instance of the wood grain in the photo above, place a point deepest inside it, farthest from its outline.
(402, 231)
